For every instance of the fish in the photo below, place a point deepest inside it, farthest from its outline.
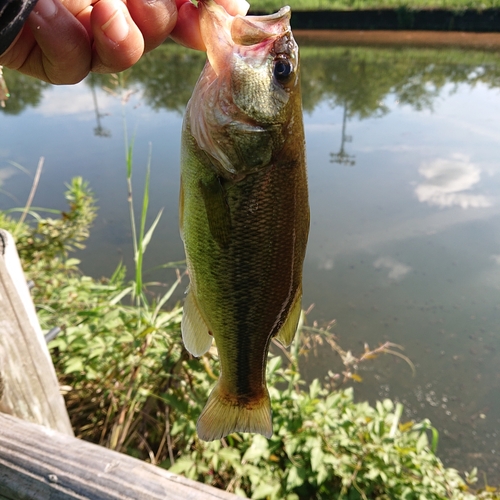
(243, 210)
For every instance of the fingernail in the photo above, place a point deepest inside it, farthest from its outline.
(244, 6)
(116, 28)
(46, 8)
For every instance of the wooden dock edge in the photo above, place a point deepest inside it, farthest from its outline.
(30, 389)
(37, 463)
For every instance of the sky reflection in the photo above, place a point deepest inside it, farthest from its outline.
(446, 181)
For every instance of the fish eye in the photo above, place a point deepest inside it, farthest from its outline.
(283, 69)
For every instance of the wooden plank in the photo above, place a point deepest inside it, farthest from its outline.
(38, 463)
(15, 270)
(27, 375)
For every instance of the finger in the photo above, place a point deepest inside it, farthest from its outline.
(187, 29)
(155, 19)
(63, 53)
(83, 17)
(76, 6)
(118, 42)
(235, 7)
(82, 10)
(19, 50)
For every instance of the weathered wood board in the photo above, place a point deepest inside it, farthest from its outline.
(29, 388)
(38, 463)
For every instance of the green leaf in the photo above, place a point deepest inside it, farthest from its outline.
(149, 234)
(240, 492)
(422, 442)
(259, 449)
(291, 446)
(125, 338)
(274, 364)
(182, 465)
(230, 455)
(295, 478)
(111, 315)
(120, 295)
(263, 490)
(314, 388)
(317, 457)
(435, 440)
(166, 296)
(74, 365)
(321, 474)
(215, 461)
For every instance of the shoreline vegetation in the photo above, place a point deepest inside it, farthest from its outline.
(353, 5)
(427, 15)
(486, 21)
(404, 39)
(130, 385)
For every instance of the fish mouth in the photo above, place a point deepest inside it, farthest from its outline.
(224, 34)
(251, 30)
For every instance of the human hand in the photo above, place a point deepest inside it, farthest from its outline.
(187, 29)
(63, 40)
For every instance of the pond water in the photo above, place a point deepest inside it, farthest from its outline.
(402, 147)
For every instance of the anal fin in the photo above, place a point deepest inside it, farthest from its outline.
(195, 333)
(287, 331)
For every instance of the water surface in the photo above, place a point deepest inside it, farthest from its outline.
(404, 176)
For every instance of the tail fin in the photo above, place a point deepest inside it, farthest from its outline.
(221, 417)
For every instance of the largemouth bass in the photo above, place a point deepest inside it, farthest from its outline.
(244, 212)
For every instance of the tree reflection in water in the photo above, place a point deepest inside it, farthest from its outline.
(24, 91)
(357, 78)
(342, 157)
(99, 130)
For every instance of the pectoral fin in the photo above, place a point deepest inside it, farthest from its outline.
(217, 209)
(195, 333)
(287, 331)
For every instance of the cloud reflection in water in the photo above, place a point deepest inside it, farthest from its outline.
(6, 173)
(397, 270)
(446, 181)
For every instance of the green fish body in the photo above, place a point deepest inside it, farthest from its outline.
(244, 212)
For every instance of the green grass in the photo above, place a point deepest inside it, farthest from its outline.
(298, 5)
